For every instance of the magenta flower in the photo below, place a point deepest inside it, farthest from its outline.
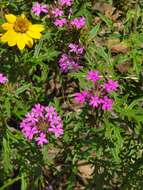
(78, 22)
(76, 48)
(66, 2)
(73, 47)
(107, 103)
(93, 76)
(96, 96)
(3, 79)
(44, 8)
(41, 121)
(57, 12)
(111, 85)
(80, 97)
(66, 63)
(60, 22)
(94, 101)
(42, 139)
(37, 8)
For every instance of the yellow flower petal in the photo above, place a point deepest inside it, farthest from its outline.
(13, 39)
(33, 34)
(20, 41)
(12, 42)
(10, 18)
(10, 36)
(36, 27)
(7, 26)
(4, 37)
(28, 40)
(30, 43)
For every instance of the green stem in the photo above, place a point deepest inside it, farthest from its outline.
(8, 183)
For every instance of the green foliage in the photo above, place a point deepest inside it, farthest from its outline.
(109, 142)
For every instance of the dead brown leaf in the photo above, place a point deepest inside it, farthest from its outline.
(85, 169)
(123, 67)
(108, 10)
(112, 41)
(120, 48)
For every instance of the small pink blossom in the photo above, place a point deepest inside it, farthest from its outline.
(38, 8)
(42, 139)
(66, 2)
(60, 22)
(94, 101)
(80, 97)
(76, 48)
(93, 76)
(66, 64)
(111, 85)
(57, 131)
(57, 12)
(78, 22)
(73, 47)
(44, 8)
(3, 78)
(107, 103)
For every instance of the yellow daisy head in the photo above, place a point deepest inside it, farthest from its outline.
(20, 31)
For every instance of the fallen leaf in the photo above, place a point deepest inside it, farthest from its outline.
(108, 10)
(85, 169)
(120, 48)
(123, 67)
(112, 41)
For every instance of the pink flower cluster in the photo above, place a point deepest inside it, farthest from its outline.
(66, 2)
(3, 78)
(38, 8)
(60, 15)
(40, 122)
(68, 62)
(78, 23)
(97, 96)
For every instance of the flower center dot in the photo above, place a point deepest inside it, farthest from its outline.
(21, 24)
(42, 125)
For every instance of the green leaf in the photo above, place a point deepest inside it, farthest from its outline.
(93, 32)
(7, 106)
(9, 182)
(6, 156)
(22, 88)
(106, 20)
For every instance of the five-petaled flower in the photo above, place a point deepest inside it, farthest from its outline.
(38, 8)
(93, 76)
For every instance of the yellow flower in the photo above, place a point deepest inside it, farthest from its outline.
(20, 31)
